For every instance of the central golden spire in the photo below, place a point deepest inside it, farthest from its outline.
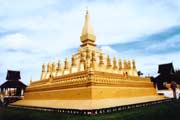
(87, 35)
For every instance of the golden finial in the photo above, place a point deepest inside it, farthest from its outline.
(114, 63)
(49, 67)
(108, 62)
(53, 67)
(82, 59)
(114, 60)
(73, 61)
(31, 80)
(93, 61)
(101, 60)
(125, 64)
(129, 64)
(88, 54)
(93, 56)
(43, 67)
(88, 59)
(120, 64)
(66, 64)
(133, 64)
(59, 67)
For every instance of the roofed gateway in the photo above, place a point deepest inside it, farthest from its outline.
(13, 89)
(90, 81)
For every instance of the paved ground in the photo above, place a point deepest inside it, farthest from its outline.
(165, 111)
(87, 104)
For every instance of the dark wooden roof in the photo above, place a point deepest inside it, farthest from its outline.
(13, 84)
(13, 75)
(166, 69)
(166, 74)
(178, 72)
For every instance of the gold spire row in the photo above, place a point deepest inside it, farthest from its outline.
(89, 61)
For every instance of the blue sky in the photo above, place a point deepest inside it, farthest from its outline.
(34, 32)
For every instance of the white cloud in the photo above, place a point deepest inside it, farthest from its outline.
(14, 41)
(113, 22)
(125, 21)
(109, 51)
(49, 27)
(166, 44)
(22, 7)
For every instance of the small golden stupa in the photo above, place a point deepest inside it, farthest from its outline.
(89, 81)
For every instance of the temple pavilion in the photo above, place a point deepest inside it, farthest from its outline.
(89, 80)
(12, 89)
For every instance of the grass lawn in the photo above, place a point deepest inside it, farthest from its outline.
(165, 111)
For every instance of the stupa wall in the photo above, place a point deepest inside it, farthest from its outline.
(90, 85)
(104, 92)
(61, 94)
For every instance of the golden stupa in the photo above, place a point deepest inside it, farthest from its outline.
(89, 81)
